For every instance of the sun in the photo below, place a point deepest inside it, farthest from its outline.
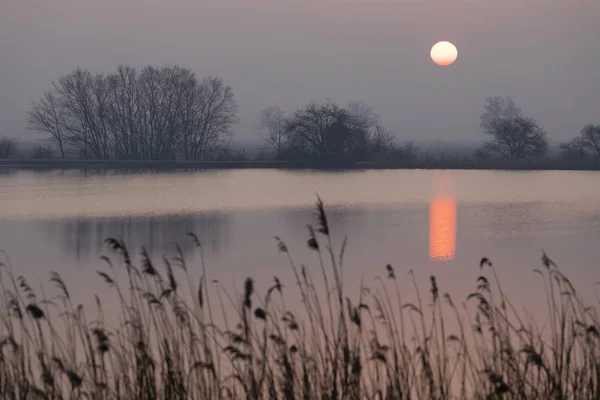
(444, 53)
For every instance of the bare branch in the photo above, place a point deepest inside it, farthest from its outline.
(272, 126)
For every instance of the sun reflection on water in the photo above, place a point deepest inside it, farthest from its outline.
(442, 227)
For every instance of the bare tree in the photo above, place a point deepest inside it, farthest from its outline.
(515, 138)
(8, 148)
(377, 140)
(574, 149)
(272, 126)
(161, 95)
(408, 151)
(83, 98)
(381, 142)
(498, 107)
(190, 113)
(47, 115)
(329, 132)
(362, 117)
(590, 134)
(321, 129)
(124, 114)
(157, 113)
(587, 144)
(216, 111)
(366, 132)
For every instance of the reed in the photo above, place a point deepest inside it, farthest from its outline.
(175, 341)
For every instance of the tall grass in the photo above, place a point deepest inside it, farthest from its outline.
(173, 341)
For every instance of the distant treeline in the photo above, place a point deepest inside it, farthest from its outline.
(448, 163)
(169, 114)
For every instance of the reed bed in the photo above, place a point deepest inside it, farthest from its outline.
(173, 341)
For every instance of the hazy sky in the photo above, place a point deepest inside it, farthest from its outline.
(543, 53)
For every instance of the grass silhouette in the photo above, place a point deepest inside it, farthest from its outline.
(174, 341)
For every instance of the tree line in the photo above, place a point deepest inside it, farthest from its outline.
(153, 113)
(168, 113)
(326, 131)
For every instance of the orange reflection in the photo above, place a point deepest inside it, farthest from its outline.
(442, 229)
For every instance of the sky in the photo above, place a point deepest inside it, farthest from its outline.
(543, 53)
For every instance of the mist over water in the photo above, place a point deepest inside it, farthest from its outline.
(433, 222)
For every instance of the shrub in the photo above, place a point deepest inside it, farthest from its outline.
(8, 148)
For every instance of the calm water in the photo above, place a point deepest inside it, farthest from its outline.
(434, 222)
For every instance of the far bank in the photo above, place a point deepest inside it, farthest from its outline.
(590, 165)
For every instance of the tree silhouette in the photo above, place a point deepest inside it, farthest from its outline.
(8, 148)
(320, 129)
(47, 115)
(272, 126)
(587, 144)
(498, 107)
(515, 138)
(512, 135)
(328, 132)
(154, 113)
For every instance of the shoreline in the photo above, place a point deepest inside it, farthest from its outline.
(592, 165)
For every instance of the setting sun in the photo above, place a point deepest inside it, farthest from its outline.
(444, 53)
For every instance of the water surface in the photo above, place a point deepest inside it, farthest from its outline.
(433, 222)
